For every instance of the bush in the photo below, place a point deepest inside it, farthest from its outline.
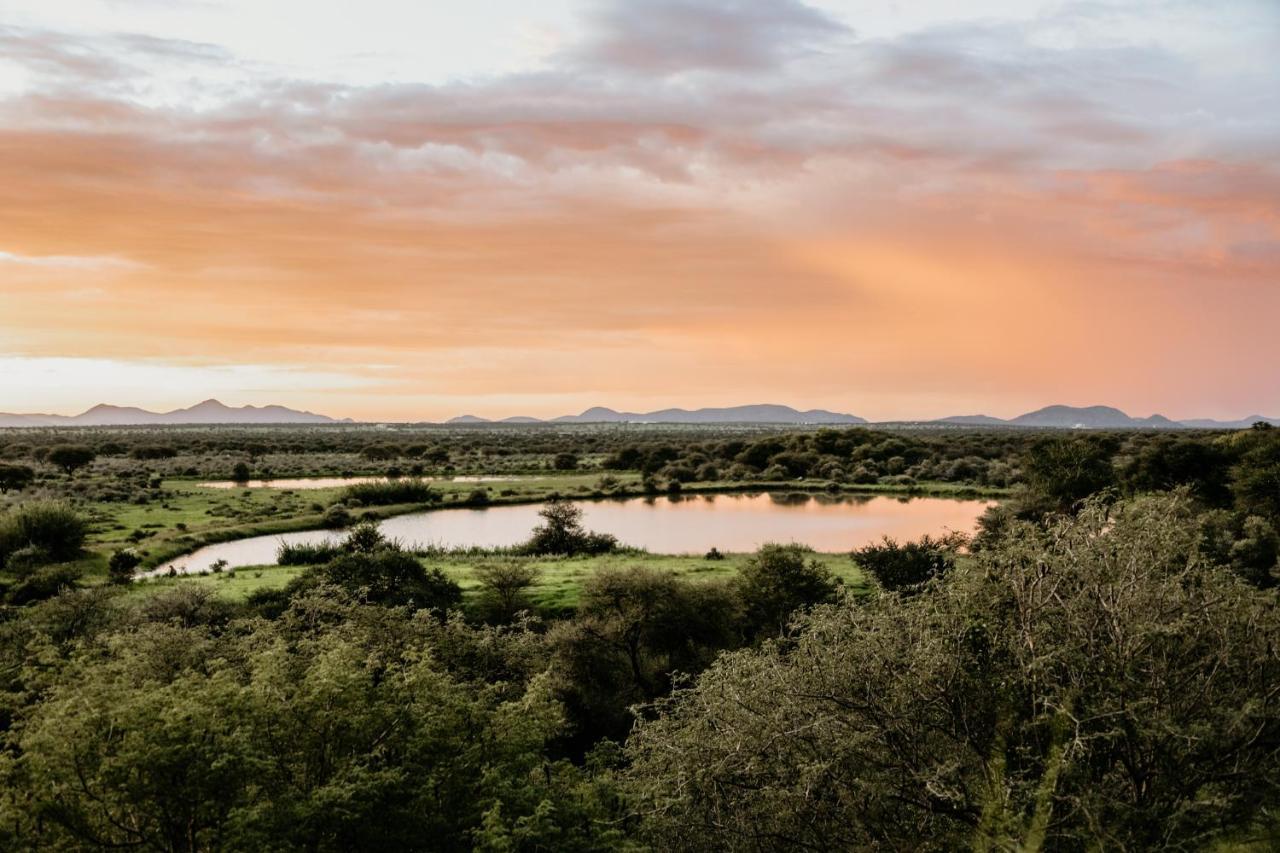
(565, 461)
(121, 566)
(391, 577)
(336, 516)
(778, 581)
(43, 583)
(562, 533)
(409, 491)
(51, 525)
(306, 553)
(153, 451)
(71, 457)
(15, 478)
(905, 568)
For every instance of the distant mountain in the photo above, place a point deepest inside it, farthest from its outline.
(1244, 423)
(972, 420)
(758, 414)
(1097, 417)
(208, 412)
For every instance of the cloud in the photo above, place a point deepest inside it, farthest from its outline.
(697, 195)
(70, 262)
(672, 36)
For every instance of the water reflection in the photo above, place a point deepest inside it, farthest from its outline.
(674, 524)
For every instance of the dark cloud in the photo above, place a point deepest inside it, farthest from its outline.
(671, 36)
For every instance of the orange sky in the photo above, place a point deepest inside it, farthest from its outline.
(811, 206)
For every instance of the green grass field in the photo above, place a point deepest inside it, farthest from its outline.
(557, 588)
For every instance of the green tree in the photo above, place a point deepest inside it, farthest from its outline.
(777, 582)
(122, 565)
(1063, 471)
(561, 532)
(71, 457)
(504, 589)
(1093, 681)
(15, 478)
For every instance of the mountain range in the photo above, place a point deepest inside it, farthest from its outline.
(208, 412)
(758, 414)
(214, 412)
(1050, 417)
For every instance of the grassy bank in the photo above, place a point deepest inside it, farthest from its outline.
(560, 578)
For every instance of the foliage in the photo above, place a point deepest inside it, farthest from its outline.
(776, 583)
(562, 533)
(504, 589)
(71, 457)
(52, 526)
(386, 493)
(1064, 470)
(1097, 680)
(280, 736)
(907, 567)
(634, 630)
(122, 564)
(15, 478)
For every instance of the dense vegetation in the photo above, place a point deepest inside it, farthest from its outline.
(1098, 668)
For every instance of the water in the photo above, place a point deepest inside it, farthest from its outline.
(683, 525)
(335, 482)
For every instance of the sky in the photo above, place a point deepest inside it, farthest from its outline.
(407, 210)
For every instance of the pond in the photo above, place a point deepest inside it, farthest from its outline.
(336, 482)
(662, 525)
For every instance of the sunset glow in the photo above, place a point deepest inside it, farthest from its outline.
(395, 210)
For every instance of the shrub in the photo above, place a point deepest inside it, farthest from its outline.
(15, 478)
(391, 577)
(905, 568)
(778, 581)
(153, 451)
(306, 553)
(71, 457)
(565, 461)
(51, 525)
(121, 566)
(407, 491)
(43, 583)
(562, 533)
(336, 516)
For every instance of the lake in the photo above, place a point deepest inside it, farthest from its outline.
(662, 525)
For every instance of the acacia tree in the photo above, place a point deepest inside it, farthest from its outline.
(71, 457)
(1095, 681)
(15, 477)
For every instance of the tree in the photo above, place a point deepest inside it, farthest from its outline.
(121, 566)
(504, 589)
(391, 577)
(562, 533)
(15, 478)
(907, 567)
(54, 527)
(1256, 480)
(71, 457)
(565, 461)
(1097, 680)
(1063, 471)
(240, 472)
(778, 581)
(636, 628)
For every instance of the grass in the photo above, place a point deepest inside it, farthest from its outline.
(558, 587)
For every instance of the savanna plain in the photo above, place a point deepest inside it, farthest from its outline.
(280, 638)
